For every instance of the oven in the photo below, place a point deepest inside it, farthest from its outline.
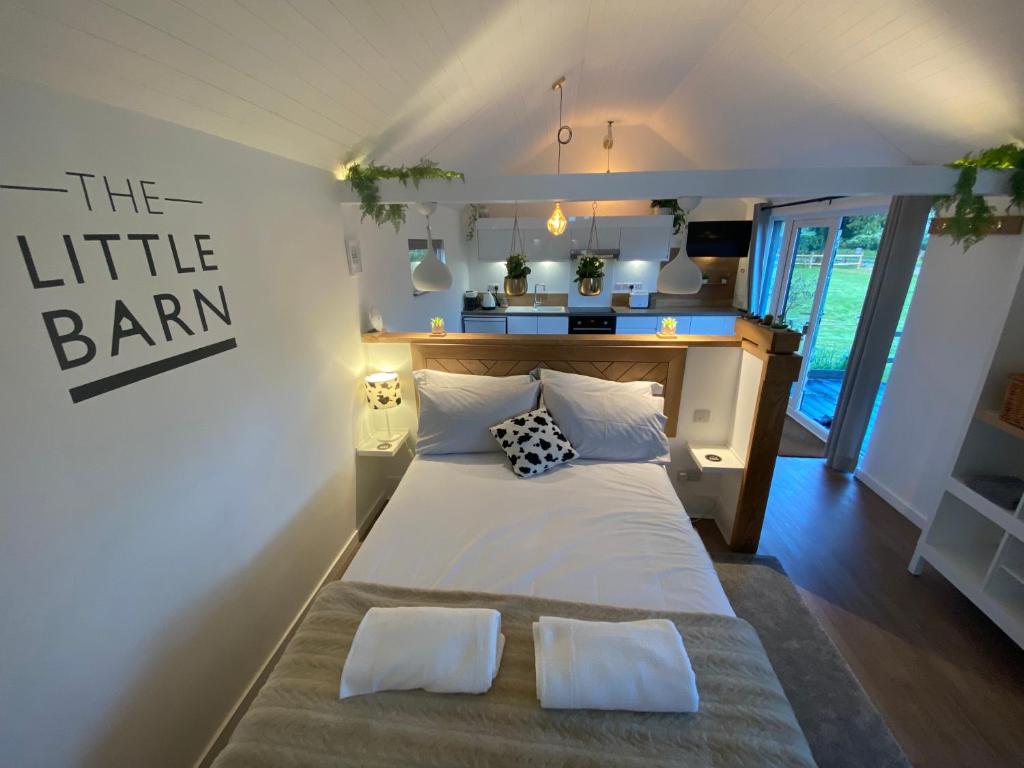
(592, 322)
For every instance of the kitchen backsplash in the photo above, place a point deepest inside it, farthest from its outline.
(557, 277)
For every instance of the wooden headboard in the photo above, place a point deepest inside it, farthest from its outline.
(642, 357)
(613, 361)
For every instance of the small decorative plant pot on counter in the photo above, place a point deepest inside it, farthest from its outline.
(437, 327)
(591, 286)
(667, 329)
(515, 286)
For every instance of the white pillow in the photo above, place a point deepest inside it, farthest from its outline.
(623, 427)
(457, 419)
(425, 377)
(533, 443)
(599, 385)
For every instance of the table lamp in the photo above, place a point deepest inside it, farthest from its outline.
(383, 393)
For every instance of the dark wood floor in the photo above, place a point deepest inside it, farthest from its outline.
(948, 681)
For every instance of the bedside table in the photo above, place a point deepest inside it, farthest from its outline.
(371, 446)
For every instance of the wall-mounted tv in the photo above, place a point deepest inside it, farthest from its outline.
(729, 239)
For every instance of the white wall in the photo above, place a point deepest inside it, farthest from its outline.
(954, 322)
(386, 279)
(156, 540)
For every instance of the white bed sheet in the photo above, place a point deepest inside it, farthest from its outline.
(594, 532)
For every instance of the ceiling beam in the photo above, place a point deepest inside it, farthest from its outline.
(646, 185)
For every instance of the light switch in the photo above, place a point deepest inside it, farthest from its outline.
(701, 415)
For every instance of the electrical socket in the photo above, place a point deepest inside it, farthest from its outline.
(702, 415)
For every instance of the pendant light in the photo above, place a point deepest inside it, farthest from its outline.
(557, 221)
(431, 274)
(681, 275)
(608, 143)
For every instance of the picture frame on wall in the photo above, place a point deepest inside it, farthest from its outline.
(355, 256)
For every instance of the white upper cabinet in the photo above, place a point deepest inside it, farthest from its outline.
(638, 237)
(608, 231)
(646, 238)
(494, 240)
(541, 245)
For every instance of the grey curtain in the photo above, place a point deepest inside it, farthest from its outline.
(756, 262)
(887, 290)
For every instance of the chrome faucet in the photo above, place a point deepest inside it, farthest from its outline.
(536, 299)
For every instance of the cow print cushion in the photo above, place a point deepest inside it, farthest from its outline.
(533, 442)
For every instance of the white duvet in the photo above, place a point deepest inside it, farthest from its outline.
(593, 532)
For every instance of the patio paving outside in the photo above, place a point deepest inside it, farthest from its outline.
(821, 396)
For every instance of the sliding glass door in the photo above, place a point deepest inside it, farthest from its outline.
(820, 291)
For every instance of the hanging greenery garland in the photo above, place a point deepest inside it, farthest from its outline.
(972, 216)
(678, 214)
(363, 180)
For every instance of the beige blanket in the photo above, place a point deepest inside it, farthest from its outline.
(298, 720)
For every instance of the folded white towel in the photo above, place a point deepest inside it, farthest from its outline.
(641, 666)
(444, 650)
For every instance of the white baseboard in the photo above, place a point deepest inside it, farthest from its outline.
(901, 506)
(227, 727)
(375, 509)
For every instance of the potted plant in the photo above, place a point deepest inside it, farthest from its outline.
(437, 326)
(589, 275)
(516, 270)
(670, 207)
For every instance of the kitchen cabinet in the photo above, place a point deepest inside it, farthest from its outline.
(626, 324)
(713, 325)
(638, 237)
(522, 323)
(494, 240)
(548, 324)
(607, 232)
(538, 324)
(476, 324)
(645, 238)
(541, 245)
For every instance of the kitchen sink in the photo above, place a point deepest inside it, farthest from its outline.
(541, 308)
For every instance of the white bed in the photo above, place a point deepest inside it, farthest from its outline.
(592, 532)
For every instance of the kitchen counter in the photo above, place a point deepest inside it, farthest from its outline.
(719, 311)
(529, 310)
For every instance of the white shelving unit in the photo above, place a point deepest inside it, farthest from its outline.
(971, 540)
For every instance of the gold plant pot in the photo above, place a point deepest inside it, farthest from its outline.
(515, 286)
(590, 286)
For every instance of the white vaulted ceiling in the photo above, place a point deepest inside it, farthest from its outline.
(690, 83)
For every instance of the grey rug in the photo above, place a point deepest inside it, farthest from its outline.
(843, 727)
(800, 442)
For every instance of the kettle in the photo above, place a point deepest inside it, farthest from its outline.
(487, 300)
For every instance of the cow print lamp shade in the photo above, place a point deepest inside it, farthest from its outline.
(383, 393)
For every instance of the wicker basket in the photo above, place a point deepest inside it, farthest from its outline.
(1013, 402)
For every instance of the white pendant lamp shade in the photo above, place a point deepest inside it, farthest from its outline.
(431, 274)
(689, 203)
(680, 275)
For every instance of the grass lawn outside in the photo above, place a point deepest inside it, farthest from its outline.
(843, 303)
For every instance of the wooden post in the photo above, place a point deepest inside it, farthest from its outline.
(781, 367)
